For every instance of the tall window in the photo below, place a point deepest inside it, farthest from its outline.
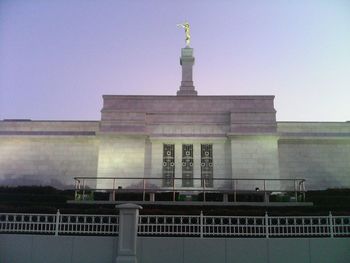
(207, 165)
(187, 165)
(168, 164)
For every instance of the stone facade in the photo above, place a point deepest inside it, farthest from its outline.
(120, 156)
(130, 144)
(240, 134)
(255, 157)
(318, 152)
(222, 121)
(46, 152)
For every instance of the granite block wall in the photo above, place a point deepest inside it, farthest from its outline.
(53, 152)
(316, 151)
(142, 114)
(47, 152)
(323, 163)
(255, 157)
(46, 160)
(121, 156)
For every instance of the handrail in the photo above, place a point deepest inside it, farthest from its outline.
(179, 178)
(143, 185)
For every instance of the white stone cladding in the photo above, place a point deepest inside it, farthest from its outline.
(128, 142)
(316, 151)
(188, 116)
(13, 126)
(47, 160)
(192, 120)
(314, 128)
(121, 156)
(47, 152)
(323, 163)
(255, 157)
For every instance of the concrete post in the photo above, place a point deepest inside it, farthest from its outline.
(331, 224)
(267, 234)
(57, 225)
(201, 224)
(128, 222)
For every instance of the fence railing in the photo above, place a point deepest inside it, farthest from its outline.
(59, 224)
(150, 186)
(180, 225)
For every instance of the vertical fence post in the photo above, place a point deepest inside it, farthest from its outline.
(76, 189)
(112, 195)
(201, 224)
(331, 224)
(234, 191)
(57, 222)
(127, 239)
(267, 225)
(144, 190)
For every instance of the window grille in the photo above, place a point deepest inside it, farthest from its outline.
(187, 165)
(168, 164)
(207, 165)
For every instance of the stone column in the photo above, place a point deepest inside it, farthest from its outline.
(187, 61)
(128, 222)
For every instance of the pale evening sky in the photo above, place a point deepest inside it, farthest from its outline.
(58, 57)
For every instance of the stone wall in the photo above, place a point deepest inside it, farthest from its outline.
(255, 157)
(121, 156)
(57, 249)
(324, 164)
(181, 120)
(91, 249)
(53, 152)
(220, 114)
(317, 152)
(47, 153)
(314, 128)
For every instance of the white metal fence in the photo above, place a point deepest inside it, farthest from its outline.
(59, 224)
(175, 225)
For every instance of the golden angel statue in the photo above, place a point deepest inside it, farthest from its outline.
(186, 26)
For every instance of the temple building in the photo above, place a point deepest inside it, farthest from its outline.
(194, 139)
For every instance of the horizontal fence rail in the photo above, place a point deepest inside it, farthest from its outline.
(89, 224)
(28, 223)
(169, 225)
(59, 224)
(179, 225)
(282, 188)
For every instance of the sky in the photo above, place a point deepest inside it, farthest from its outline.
(58, 57)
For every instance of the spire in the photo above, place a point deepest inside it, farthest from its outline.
(186, 62)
